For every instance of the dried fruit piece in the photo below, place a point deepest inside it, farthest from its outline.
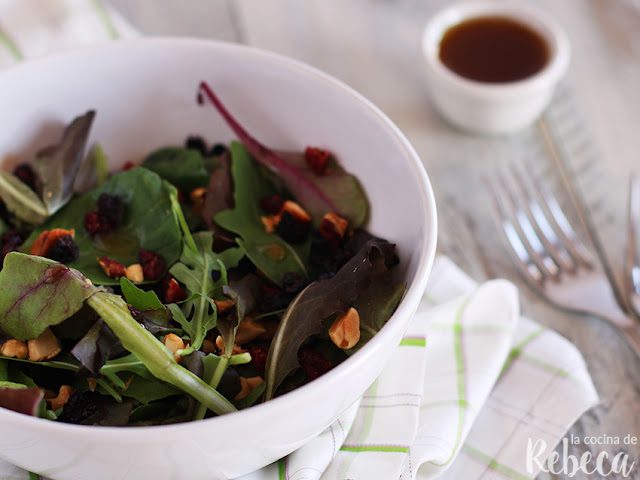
(107, 216)
(333, 228)
(345, 330)
(174, 292)
(153, 265)
(27, 175)
(65, 250)
(313, 363)
(272, 204)
(316, 159)
(112, 268)
(47, 239)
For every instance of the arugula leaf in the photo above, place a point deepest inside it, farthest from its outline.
(335, 191)
(183, 167)
(28, 284)
(38, 274)
(195, 271)
(20, 200)
(268, 252)
(148, 221)
(304, 316)
(58, 165)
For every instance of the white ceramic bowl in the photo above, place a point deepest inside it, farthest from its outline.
(144, 92)
(493, 108)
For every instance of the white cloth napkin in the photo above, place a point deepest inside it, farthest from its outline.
(470, 389)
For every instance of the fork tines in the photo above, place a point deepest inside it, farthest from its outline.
(537, 232)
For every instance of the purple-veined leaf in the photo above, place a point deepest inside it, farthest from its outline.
(336, 191)
(21, 399)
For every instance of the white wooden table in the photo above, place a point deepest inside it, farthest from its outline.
(374, 46)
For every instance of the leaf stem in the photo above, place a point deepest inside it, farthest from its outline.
(222, 366)
(155, 356)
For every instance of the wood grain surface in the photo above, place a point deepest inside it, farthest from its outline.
(593, 125)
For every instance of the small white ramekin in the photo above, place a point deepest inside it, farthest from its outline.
(493, 108)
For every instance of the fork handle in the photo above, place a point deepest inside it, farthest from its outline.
(632, 334)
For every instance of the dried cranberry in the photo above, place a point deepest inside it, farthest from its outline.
(291, 230)
(153, 264)
(324, 256)
(259, 353)
(65, 250)
(110, 208)
(272, 204)
(313, 363)
(196, 142)
(96, 223)
(128, 166)
(317, 159)
(26, 174)
(173, 292)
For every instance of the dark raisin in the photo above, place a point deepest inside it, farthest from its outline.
(79, 407)
(328, 259)
(110, 208)
(26, 174)
(153, 265)
(313, 363)
(272, 204)
(196, 142)
(274, 299)
(216, 275)
(291, 230)
(65, 250)
(293, 283)
(10, 242)
(96, 223)
(218, 149)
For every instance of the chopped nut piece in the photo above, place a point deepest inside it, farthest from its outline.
(221, 349)
(93, 384)
(333, 227)
(135, 273)
(43, 348)
(174, 343)
(296, 211)
(59, 401)
(197, 197)
(345, 330)
(248, 330)
(13, 348)
(270, 223)
(247, 385)
(112, 268)
(224, 305)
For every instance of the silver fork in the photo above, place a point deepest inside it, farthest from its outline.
(553, 260)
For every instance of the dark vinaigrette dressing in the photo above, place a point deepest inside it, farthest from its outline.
(493, 49)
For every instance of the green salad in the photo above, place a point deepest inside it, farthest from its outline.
(202, 280)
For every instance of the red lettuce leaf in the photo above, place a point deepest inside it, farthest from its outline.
(336, 191)
(323, 298)
(21, 399)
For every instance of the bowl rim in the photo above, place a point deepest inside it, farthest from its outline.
(536, 19)
(318, 386)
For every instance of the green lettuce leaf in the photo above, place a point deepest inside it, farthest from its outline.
(268, 252)
(148, 221)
